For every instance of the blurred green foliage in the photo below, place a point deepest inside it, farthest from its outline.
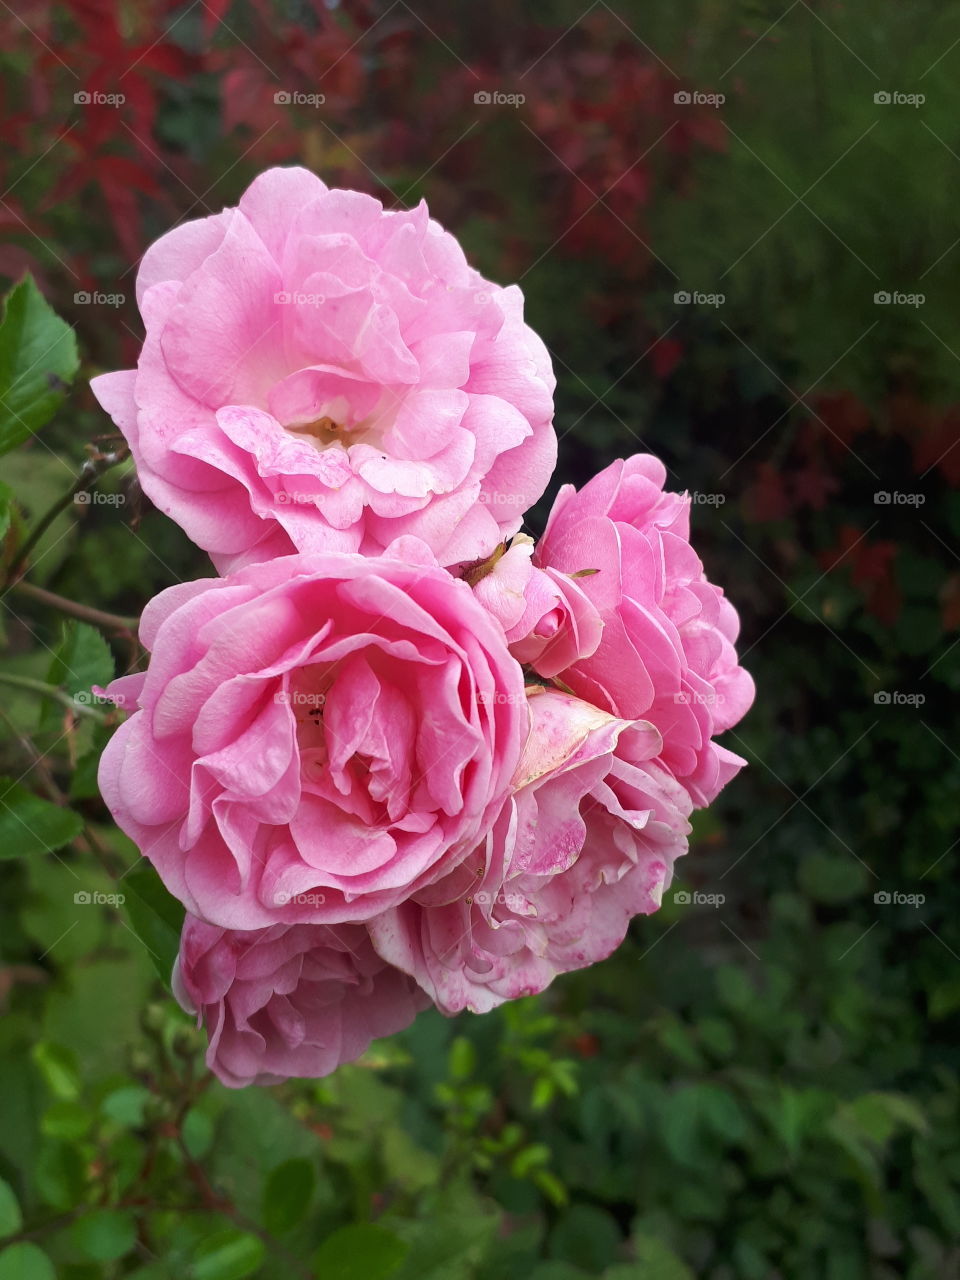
(760, 1087)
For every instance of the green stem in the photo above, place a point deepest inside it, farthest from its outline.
(86, 612)
(49, 691)
(91, 471)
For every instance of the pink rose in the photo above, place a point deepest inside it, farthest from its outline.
(667, 648)
(548, 618)
(319, 373)
(587, 842)
(294, 1000)
(318, 736)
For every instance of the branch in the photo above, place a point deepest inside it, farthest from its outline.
(91, 471)
(48, 691)
(86, 612)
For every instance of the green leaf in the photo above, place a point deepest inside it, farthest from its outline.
(11, 1219)
(586, 1236)
(287, 1195)
(67, 1120)
(125, 1106)
(25, 1262)
(830, 878)
(60, 1174)
(104, 1234)
(463, 1059)
(228, 1255)
(58, 1066)
(81, 659)
(359, 1252)
(38, 359)
(557, 1271)
(156, 917)
(197, 1133)
(653, 1261)
(29, 825)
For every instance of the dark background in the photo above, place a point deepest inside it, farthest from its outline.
(764, 1087)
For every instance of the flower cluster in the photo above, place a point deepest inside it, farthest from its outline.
(396, 754)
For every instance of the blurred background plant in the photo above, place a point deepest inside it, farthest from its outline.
(735, 226)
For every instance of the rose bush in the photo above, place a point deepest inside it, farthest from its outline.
(316, 737)
(618, 606)
(320, 373)
(587, 842)
(294, 1000)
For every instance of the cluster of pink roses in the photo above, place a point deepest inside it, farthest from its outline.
(396, 754)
